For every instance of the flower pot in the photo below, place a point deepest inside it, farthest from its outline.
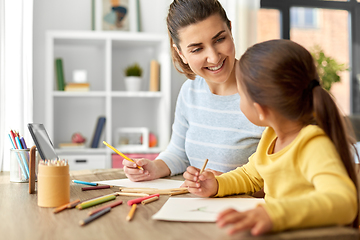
(133, 83)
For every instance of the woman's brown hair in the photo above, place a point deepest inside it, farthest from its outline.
(183, 13)
(281, 74)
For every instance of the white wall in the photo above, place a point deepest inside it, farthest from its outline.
(76, 15)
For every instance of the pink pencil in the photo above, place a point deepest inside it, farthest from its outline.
(139, 200)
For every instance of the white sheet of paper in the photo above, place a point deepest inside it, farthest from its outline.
(202, 209)
(157, 183)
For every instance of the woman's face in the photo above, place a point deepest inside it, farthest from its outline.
(208, 48)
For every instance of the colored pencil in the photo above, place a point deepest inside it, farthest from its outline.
(83, 182)
(95, 202)
(111, 205)
(139, 200)
(13, 139)
(19, 161)
(149, 200)
(204, 166)
(65, 206)
(179, 192)
(152, 190)
(22, 156)
(132, 194)
(121, 154)
(131, 213)
(95, 216)
(95, 187)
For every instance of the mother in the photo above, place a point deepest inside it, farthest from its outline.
(207, 114)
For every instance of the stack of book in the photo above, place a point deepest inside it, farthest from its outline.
(77, 87)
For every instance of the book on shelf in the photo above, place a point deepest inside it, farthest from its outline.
(60, 74)
(77, 87)
(71, 145)
(99, 127)
(154, 84)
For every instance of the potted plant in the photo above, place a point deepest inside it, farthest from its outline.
(328, 68)
(133, 78)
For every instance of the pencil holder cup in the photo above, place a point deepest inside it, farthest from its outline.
(53, 185)
(19, 165)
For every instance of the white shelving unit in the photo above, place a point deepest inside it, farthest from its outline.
(105, 55)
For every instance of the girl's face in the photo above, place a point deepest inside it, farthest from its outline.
(246, 103)
(208, 48)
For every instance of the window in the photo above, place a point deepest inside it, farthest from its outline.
(301, 17)
(335, 26)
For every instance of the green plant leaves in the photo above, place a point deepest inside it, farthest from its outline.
(327, 67)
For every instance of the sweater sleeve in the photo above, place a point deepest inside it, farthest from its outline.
(333, 201)
(175, 156)
(245, 179)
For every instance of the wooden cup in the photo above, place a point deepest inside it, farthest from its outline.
(53, 185)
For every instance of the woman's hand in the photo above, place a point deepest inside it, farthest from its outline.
(204, 185)
(152, 169)
(256, 220)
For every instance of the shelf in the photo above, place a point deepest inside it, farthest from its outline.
(104, 55)
(97, 151)
(136, 94)
(76, 151)
(79, 94)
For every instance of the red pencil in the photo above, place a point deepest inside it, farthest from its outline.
(13, 138)
(138, 200)
(95, 187)
(111, 205)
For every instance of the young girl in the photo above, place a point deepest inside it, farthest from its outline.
(304, 159)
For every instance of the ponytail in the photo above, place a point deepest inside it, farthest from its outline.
(328, 118)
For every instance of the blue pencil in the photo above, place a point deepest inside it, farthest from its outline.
(95, 216)
(86, 183)
(19, 161)
(22, 156)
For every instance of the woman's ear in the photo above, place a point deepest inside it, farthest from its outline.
(261, 111)
(180, 54)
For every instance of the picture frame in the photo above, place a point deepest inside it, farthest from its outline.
(132, 139)
(115, 15)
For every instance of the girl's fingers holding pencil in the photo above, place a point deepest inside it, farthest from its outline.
(205, 188)
(193, 170)
(190, 176)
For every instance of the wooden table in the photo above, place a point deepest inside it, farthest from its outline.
(21, 218)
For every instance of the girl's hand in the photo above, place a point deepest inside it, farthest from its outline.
(204, 185)
(152, 169)
(256, 220)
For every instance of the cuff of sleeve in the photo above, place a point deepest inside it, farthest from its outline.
(276, 215)
(221, 188)
(175, 167)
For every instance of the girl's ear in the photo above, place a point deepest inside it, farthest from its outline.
(180, 54)
(261, 111)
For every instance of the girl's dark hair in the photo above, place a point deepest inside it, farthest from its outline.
(278, 74)
(183, 13)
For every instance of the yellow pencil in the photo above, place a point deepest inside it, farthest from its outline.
(131, 213)
(121, 154)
